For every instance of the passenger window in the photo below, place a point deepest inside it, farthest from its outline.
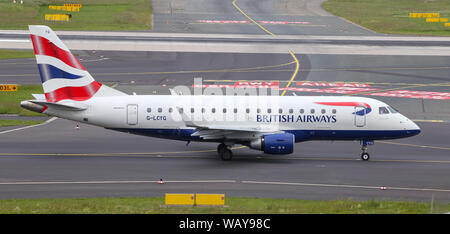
(213, 110)
(149, 110)
(203, 110)
(181, 110)
(334, 111)
(312, 111)
(160, 110)
(235, 110)
(192, 110)
(224, 110)
(383, 110)
(258, 110)
(280, 111)
(170, 110)
(269, 110)
(323, 111)
(291, 111)
(302, 111)
(247, 110)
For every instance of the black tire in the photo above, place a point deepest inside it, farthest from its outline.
(221, 147)
(226, 155)
(365, 156)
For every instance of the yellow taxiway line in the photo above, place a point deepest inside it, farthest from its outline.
(297, 66)
(248, 17)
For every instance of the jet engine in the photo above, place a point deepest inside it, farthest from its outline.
(279, 143)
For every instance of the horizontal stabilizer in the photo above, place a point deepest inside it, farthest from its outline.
(39, 96)
(62, 106)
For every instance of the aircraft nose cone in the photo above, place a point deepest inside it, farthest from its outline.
(413, 128)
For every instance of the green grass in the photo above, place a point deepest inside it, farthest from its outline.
(392, 16)
(234, 205)
(15, 122)
(10, 101)
(94, 15)
(15, 54)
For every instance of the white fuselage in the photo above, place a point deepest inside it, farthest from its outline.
(166, 115)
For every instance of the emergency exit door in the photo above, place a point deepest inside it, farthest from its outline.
(132, 114)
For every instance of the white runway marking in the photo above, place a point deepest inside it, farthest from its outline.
(348, 186)
(114, 182)
(31, 126)
(14, 40)
(381, 187)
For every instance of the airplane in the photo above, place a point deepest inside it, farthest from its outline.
(271, 124)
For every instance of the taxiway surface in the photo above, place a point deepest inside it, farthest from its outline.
(272, 17)
(56, 160)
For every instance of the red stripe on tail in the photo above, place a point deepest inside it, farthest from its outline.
(74, 93)
(42, 46)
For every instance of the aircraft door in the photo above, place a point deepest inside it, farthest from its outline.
(132, 114)
(360, 120)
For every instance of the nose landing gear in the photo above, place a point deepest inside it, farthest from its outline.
(364, 155)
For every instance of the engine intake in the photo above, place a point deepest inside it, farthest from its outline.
(280, 143)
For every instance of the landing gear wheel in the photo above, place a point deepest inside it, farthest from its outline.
(226, 154)
(221, 147)
(365, 156)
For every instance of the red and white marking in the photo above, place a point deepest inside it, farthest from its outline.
(414, 94)
(248, 22)
(223, 21)
(337, 90)
(283, 22)
(235, 86)
(258, 84)
(328, 84)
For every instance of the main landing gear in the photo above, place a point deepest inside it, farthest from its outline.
(364, 155)
(224, 152)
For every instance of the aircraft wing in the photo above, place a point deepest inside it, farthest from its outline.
(229, 132)
(213, 130)
(216, 131)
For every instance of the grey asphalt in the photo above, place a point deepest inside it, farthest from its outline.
(155, 72)
(185, 16)
(94, 162)
(56, 160)
(151, 68)
(341, 40)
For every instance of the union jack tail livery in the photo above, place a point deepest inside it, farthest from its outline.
(63, 77)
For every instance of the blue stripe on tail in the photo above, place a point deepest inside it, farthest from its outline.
(48, 72)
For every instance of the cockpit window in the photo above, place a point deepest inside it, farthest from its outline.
(392, 110)
(383, 110)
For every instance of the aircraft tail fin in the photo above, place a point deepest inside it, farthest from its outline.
(62, 75)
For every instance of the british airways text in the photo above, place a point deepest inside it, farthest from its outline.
(294, 118)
